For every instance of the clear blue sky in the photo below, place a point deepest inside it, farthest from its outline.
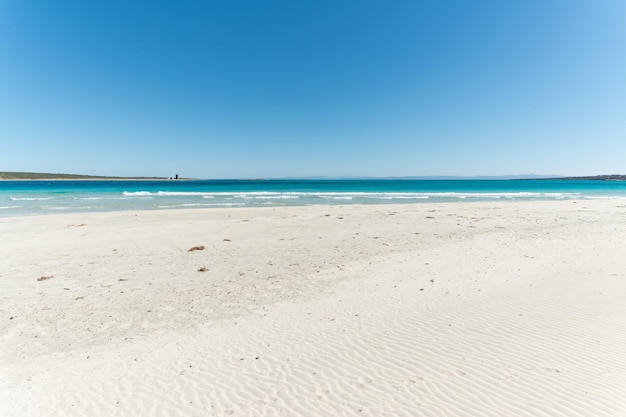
(234, 89)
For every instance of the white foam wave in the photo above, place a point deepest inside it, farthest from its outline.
(163, 193)
(227, 205)
(183, 205)
(174, 206)
(277, 197)
(30, 198)
(399, 197)
(350, 195)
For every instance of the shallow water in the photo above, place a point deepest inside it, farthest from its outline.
(42, 197)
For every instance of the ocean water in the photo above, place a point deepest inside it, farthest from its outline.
(19, 198)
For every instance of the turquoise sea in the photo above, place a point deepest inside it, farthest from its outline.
(19, 198)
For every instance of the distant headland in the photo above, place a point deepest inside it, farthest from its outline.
(51, 176)
(614, 177)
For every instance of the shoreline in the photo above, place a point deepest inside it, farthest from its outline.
(490, 308)
(40, 197)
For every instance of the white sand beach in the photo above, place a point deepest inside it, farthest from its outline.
(468, 309)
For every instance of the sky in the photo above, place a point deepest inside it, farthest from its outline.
(251, 89)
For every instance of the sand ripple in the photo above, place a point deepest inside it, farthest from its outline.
(515, 321)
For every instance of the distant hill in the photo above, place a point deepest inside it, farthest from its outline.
(49, 176)
(614, 177)
(52, 176)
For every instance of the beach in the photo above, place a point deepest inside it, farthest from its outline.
(512, 308)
